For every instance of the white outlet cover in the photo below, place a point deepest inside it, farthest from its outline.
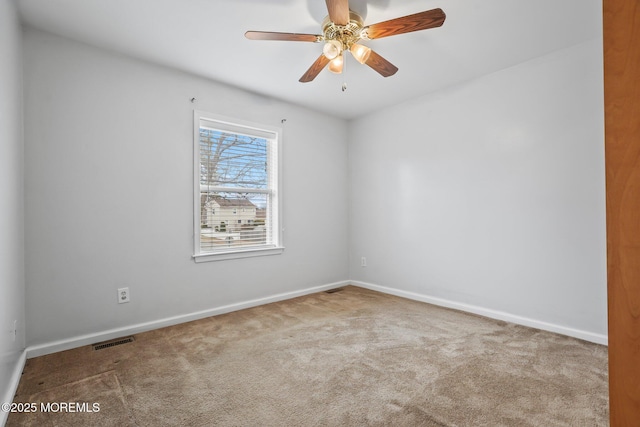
(123, 295)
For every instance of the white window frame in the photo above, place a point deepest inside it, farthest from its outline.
(276, 246)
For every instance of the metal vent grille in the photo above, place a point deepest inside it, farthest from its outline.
(112, 343)
(331, 291)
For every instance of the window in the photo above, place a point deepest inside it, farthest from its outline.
(236, 176)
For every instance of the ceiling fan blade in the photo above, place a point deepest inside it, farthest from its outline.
(406, 24)
(338, 11)
(381, 65)
(295, 37)
(315, 69)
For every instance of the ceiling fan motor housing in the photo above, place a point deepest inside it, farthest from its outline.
(346, 35)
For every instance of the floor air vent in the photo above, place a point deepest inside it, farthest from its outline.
(112, 343)
(331, 291)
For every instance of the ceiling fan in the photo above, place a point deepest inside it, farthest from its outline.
(343, 29)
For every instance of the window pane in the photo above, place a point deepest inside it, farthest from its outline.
(232, 160)
(233, 220)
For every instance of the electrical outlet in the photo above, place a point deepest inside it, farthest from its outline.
(123, 295)
(15, 330)
(363, 261)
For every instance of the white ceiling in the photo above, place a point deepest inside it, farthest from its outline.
(206, 37)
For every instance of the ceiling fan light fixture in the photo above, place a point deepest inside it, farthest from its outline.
(335, 66)
(332, 49)
(360, 52)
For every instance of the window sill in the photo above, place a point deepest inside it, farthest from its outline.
(198, 258)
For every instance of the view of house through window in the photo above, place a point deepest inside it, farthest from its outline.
(237, 182)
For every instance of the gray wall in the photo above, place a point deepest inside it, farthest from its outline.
(12, 302)
(109, 195)
(490, 196)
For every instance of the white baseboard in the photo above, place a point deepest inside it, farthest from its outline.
(494, 314)
(79, 341)
(13, 385)
(82, 340)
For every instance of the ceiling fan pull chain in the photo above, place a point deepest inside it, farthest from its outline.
(344, 73)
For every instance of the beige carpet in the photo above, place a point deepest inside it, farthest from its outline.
(349, 358)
